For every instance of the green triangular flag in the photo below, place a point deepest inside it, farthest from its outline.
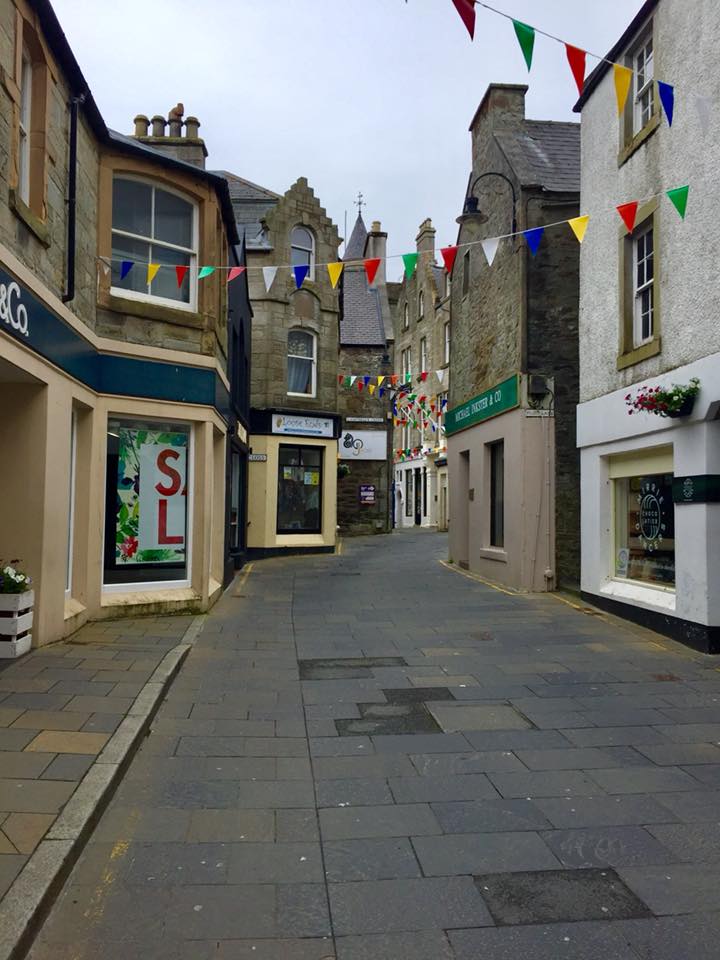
(679, 198)
(526, 38)
(410, 260)
(348, 382)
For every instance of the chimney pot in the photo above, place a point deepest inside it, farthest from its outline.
(192, 127)
(376, 227)
(158, 126)
(141, 125)
(175, 120)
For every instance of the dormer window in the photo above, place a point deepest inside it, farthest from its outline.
(302, 250)
(153, 225)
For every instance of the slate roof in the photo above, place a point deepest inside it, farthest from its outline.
(250, 203)
(544, 153)
(361, 317)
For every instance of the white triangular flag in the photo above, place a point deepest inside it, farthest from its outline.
(440, 374)
(105, 264)
(352, 380)
(269, 276)
(490, 249)
(702, 104)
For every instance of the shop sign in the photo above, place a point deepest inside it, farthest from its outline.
(366, 493)
(489, 404)
(13, 311)
(699, 489)
(363, 445)
(364, 420)
(297, 425)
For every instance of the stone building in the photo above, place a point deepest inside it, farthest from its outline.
(294, 388)
(649, 307)
(422, 349)
(365, 350)
(114, 383)
(514, 472)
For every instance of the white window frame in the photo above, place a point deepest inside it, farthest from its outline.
(24, 126)
(71, 505)
(448, 283)
(639, 289)
(192, 274)
(299, 246)
(309, 333)
(423, 354)
(406, 360)
(446, 341)
(421, 306)
(406, 316)
(643, 95)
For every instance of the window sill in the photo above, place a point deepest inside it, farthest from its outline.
(493, 553)
(151, 311)
(657, 597)
(303, 396)
(639, 139)
(34, 224)
(638, 354)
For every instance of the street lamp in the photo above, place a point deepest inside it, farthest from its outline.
(470, 209)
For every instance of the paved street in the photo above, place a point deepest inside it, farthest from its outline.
(372, 756)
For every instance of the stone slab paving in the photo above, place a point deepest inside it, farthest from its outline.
(372, 756)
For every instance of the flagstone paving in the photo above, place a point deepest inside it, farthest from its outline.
(374, 757)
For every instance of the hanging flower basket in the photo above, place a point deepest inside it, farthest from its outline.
(674, 402)
(343, 470)
(16, 612)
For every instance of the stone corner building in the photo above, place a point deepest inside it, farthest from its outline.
(514, 498)
(365, 345)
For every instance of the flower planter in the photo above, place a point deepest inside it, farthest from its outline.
(682, 411)
(16, 617)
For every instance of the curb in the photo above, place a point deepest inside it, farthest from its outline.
(30, 896)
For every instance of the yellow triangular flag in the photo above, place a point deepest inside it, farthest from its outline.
(152, 269)
(334, 269)
(579, 225)
(371, 388)
(623, 79)
(380, 380)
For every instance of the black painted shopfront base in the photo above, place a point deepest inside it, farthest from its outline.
(699, 636)
(262, 553)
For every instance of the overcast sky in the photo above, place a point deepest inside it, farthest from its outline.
(370, 95)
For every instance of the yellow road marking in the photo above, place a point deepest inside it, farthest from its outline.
(243, 578)
(479, 579)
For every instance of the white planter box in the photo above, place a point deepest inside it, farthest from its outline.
(19, 607)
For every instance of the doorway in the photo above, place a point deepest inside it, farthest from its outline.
(418, 497)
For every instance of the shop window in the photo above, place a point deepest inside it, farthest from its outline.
(146, 502)
(497, 494)
(71, 504)
(300, 476)
(150, 225)
(236, 511)
(301, 363)
(645, 529)
(302, 250)
(408, 494)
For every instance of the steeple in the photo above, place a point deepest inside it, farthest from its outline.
(355, 249)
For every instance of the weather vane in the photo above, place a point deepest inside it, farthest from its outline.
(359, 202)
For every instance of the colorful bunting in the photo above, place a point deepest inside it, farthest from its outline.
(371, 388)
(533, 237)
(235, 272)
(181, 273)
(301, 271)
(667, 99)
(579, 225)
(576, 59)
(410, 261)
(623, 79)
(628, 212)
(269, 276)
(448, 255)
(366, 380)
(526, 39)
(466, 9)
(205, 272)
(371, 268)
(380, 381)
(490, 248)
(125, 268)
(106, 265)
(152, 269)
(423, 376)
(679, 199)
(334, 269)
(340, 378)
(360, 385)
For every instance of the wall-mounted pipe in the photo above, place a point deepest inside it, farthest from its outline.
(72, 200)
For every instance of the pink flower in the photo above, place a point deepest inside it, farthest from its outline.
(129, 547)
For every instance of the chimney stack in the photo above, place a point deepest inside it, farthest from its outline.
(189, 148)
(425, 241)
(376, 246)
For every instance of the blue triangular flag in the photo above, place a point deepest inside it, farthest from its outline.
(667, 98)
(366, 380)
(381, 392)
(300, 273)
(125, 268)
(533, 237)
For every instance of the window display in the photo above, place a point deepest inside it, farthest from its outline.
(299, 489)
(645, 529)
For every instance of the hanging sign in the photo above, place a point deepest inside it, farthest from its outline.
(496, 400)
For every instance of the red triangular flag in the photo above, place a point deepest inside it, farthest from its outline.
(360, 385)
(448, 255)
(180, 273)
(371, 268)
(394, 378)
(576, 59)
(466, 9)
(340, 378)
(235, 272)
(628, 212)
(423, 376)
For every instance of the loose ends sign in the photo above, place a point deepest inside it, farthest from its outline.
(163, 492)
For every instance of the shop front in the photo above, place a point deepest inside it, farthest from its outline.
(292, 482)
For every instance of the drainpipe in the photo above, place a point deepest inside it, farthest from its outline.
(72, 199)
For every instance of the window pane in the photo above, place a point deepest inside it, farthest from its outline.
(131, 206)
(138, 251)
(300, 258)
(299, 375)
(146, 501)
(299, 490)
(301, 237)
(300, 344)
(497, 494)
(173, 219)
(165, 282)
(645, 529)
(235, 501)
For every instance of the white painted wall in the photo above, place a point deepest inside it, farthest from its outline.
(686, 55)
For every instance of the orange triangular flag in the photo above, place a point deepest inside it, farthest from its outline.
(623, 79)
(371, 268)
(628, 212)
(578, 225)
